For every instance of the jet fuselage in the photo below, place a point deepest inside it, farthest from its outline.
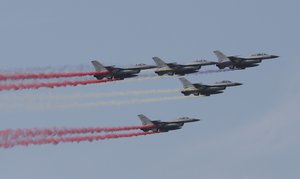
(241, 62)
(172, 125)
(180, 70)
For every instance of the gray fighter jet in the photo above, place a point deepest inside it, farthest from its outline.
(206, 90)
(241, 62)
(118, 73)
(179, 69)
(160, 126)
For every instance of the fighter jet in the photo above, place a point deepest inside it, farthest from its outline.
(159, 126)
(206, 90)
(179, 69)
(118, 73)
(241, 62)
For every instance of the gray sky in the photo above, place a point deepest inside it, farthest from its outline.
(250, 131)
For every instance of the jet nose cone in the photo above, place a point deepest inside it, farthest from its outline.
(195, 120)
(238, 84)
(274, 56)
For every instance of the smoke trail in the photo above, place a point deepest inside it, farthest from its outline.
(49, 69)
(23, 76)
(80, 74)
(108, 103)
(49, 84)
(77, 96)
(8, 134)
(42, 106)
(26, 142)
(13, 101)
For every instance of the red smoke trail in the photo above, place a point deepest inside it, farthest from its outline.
(50, 84)
(14, 134)
(23, 76)
(26, 142)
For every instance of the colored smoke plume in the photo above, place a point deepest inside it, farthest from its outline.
(50, 132)
(27, 142)
(23, 76)
(50, 84)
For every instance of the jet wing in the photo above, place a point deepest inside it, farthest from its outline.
(113, 68)
(236, 59)
(160, 123)
(175, 65)
(176, 122)
(157, 122)
(217, 85)
(199, 85)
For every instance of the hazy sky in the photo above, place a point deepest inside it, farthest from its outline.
(251, 131)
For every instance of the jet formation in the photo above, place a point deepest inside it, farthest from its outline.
(163, 68)
(10, 138)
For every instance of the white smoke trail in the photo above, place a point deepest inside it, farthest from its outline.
(114, 94)
(143, 77)
(78, 96)
(80, 105)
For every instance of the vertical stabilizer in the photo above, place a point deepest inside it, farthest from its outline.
(159, 62)
(98, 66)
(145, 120)
(221, 57)
(186, 83)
